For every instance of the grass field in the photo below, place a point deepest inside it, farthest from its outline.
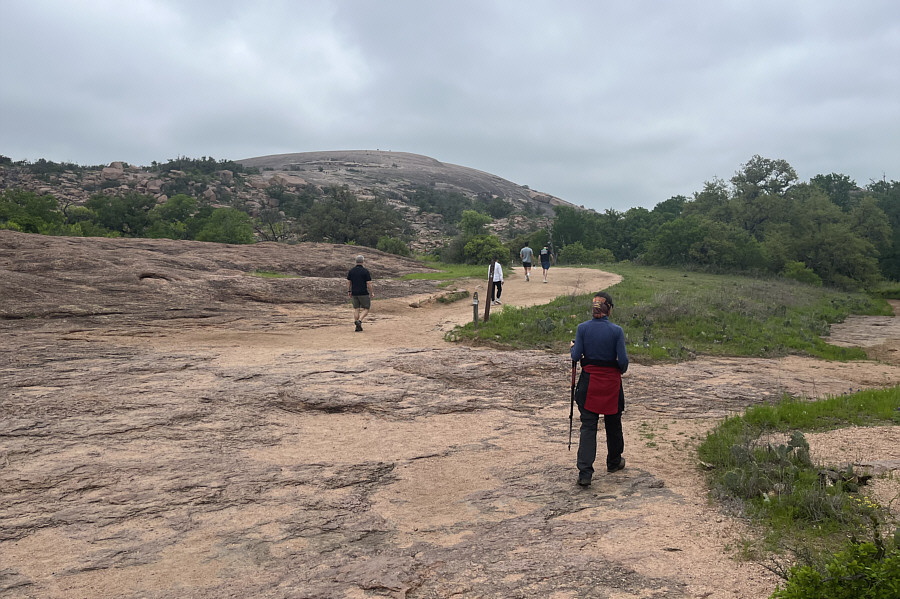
(671, 315)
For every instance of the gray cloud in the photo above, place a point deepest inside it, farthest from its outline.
(609, 105)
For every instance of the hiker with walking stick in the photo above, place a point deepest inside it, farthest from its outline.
(600, 346)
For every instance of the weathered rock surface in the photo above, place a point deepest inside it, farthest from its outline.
(171, 426)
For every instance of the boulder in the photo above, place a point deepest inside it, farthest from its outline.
(112, 173)
(287, 181)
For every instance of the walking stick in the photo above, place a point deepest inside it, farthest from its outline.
(572, 404)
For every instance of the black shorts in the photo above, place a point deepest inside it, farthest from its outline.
(526, 264)
(361, 301)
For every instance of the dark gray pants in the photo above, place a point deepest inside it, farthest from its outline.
(587, 442)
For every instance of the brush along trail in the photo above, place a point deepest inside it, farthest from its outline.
(172, 426)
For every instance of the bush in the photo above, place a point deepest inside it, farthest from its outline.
(227, 225)
(482, 248)
(576, 253)
(392, 245)
(863, 570)
(799, 272)
(28, 212)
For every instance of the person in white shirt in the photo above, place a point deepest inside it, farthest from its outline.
(496, 281)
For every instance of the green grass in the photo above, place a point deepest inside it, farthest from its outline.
(887, 290)
(675, 315)
(268, 274)
(778, 486)
(448, 272)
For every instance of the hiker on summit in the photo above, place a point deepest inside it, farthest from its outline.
(527, 256)
(600, 345)
(359, 288)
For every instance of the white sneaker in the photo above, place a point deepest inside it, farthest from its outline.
(527, 278)
(499, 302)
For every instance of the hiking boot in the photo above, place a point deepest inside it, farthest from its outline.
(617, 467)
(358, 326)
(584, 481)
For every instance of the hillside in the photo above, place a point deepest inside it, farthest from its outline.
(256, 185)
(398, 173)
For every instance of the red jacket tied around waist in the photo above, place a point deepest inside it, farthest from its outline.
(603, 386)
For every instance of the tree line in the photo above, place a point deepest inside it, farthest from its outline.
(335, 215)
(828, 230)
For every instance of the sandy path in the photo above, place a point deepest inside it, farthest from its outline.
(394, 322)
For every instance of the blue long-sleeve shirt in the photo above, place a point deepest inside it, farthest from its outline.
(599, 339)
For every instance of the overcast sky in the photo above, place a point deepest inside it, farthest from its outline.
(604, 104)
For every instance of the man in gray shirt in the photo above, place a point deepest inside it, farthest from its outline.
(527, 256)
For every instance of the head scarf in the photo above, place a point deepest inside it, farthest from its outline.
(599, 307)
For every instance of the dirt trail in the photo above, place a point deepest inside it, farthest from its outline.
(281, 454)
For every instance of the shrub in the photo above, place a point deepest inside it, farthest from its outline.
(798, 271)
(863, 570)
(227, 225)
(482, 248)
(576, 253)
(392, 245)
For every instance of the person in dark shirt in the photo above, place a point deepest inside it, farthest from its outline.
(545, 260)
(600, 346)
(359, 288)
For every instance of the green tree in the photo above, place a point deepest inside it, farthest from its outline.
(674, 241)
(178, 208)
(761, 194)
(763, 176)
(227, 225)
(569, 225)
(871, 223)
(340, 217)
(495, 207)
(473, 223)
(449, 204)
(28, 212)
(695, 240)
(272, 225)
(671, 208)
(712, 203)
(822, 237)
(481, 249)
(637, 229)
(575, 253)
(392, 245)
(128, 215)
(887, 194)
(838, 188)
